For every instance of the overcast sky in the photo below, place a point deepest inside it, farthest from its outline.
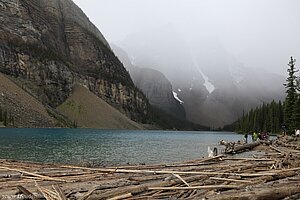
(259, 33)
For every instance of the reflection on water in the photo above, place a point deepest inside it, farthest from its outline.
(106, 147)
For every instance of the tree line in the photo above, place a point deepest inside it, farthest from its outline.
(265, 118)
(274, 117)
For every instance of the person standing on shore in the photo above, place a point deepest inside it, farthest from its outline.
(284, 129)
(254, 137)
(246, 137)
(297, 132)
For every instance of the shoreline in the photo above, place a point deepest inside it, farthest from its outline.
(154, 129)
(233, 177)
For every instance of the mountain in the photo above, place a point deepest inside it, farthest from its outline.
(153, 84)
(49, 46)
(214, 86)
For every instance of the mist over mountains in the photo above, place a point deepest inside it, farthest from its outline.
(154, 85)
(214, 86)
(221, 57)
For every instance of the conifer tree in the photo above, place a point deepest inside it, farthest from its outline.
(291, 97)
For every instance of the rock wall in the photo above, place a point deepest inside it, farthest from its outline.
(158, 90)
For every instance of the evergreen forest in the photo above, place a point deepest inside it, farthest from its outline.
(274, 117)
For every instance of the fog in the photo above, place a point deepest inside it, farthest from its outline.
(222, 57)
(260, 34)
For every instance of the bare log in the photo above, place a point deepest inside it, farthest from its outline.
(241, 148)
(177, 176)
(34, 174)
(107, 170)
(195, 187)
(26, 192)
(268, 193)
(60, 193)
(231, 180)
(278, 150)
(89, 193)
(124, 196)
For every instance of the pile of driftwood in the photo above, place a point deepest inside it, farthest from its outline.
(273, 174)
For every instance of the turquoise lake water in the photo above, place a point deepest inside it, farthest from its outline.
(107, 147)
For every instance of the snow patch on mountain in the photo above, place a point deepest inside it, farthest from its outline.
(209, 86)
(177, 98)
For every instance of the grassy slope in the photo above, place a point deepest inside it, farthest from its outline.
(26, 110)
(88, 110)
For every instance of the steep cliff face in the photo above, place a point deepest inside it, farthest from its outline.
(153, 84)
(158, 90)
(49, 45)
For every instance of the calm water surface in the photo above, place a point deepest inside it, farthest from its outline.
(107, 147)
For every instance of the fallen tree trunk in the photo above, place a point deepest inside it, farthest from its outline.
(244, 147)
(195, 187)
(33, 174)
(107, 170)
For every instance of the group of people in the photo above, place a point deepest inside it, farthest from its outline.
(257, 136)
(264, 135)
(260, 136)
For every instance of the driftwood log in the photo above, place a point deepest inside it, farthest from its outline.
(233, 148)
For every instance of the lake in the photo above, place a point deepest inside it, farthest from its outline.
(107, 147)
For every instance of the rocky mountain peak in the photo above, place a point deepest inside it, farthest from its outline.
(154, 84)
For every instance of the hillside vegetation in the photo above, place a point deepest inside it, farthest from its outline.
(87, 110)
